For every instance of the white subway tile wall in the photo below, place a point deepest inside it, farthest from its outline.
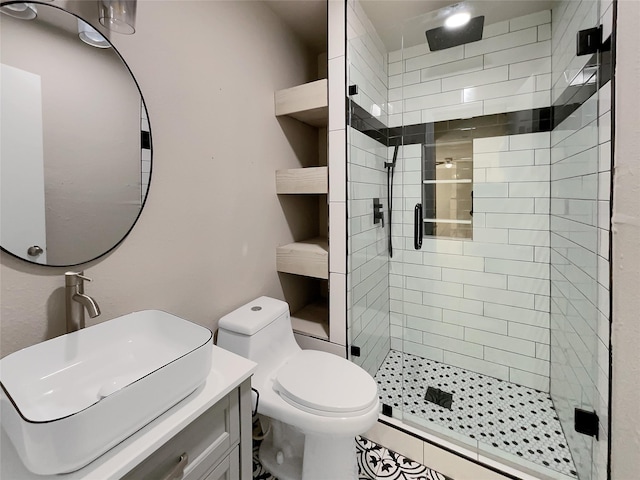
(367, 65)
(369, 280)
(508, 70)
(511, 219)
(481, 303)
(369, 264)
(580, 223)
(501, 268)
(569, 16)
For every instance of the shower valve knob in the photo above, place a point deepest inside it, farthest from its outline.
(378, 214)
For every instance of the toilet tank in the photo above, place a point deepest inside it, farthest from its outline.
(260, 331)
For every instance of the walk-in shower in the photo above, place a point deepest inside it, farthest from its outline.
(488, 325)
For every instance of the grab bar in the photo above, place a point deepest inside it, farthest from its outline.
(417, 227)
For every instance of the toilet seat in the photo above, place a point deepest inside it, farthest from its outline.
(325, 384)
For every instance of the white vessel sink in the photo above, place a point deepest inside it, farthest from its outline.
(66, 401)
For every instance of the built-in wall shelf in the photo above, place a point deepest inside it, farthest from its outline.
(309, 258)
(312, 320)
(308, 103)
(307, 210)
(302, 180)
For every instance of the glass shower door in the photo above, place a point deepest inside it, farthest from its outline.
(367, 202)
(580, 227)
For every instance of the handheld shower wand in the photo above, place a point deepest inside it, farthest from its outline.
(390, 166)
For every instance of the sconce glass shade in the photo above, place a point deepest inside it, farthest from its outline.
(23, 11)
(91, 36)
(118, 15)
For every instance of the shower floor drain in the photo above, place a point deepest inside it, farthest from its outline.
(439, 397)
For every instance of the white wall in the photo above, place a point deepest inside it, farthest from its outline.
(205, 243)
(625, 428)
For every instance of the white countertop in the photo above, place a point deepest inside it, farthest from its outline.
(227, 372)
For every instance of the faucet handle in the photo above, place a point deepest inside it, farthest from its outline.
(73, 278)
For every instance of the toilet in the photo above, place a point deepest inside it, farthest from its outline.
(315, 402)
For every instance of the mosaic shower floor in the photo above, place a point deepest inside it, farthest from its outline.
(374, 463)
(513, 418)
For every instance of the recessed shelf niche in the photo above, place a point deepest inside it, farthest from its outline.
(308, 258)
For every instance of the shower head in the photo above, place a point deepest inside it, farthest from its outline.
(445, 37)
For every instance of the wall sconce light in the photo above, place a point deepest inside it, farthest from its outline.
(91, 36)
(23, 11)
(118, 15)
(448, 162)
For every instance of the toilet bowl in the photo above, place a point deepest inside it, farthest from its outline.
(315, 402)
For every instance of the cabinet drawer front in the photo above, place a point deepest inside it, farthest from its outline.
(205, 440)
(227, 469)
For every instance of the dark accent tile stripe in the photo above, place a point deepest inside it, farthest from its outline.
(366, 123)
(510, 123)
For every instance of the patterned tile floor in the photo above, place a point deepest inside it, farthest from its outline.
(374, 463)
(516, 419)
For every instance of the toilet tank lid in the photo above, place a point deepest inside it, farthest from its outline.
(254, 316)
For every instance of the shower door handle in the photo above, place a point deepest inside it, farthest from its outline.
(417, 226)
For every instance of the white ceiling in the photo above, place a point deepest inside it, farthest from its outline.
(307, 18)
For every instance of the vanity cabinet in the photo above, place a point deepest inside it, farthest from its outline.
(208, 448)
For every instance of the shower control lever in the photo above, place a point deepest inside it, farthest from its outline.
(378, 214)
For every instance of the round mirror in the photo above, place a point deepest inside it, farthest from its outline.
(75, 142)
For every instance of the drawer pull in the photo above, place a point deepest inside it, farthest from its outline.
(177, 472)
